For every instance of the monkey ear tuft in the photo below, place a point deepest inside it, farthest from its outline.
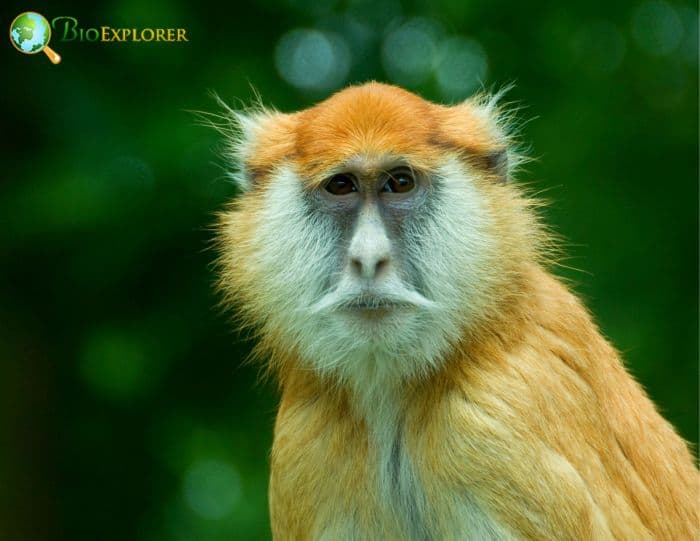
(483, 128)
(244, 131)
(247, 127)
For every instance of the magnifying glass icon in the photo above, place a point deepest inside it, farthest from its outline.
(30, 33)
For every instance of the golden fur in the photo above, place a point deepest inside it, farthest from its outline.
(529, 427)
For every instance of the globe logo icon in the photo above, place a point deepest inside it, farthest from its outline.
(30, 33)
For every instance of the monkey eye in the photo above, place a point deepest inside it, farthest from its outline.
(341, 184)
(399, 181)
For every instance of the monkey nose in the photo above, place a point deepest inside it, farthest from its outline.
(369, 253)
(370, 266)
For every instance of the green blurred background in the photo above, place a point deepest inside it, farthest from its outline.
(125, 410)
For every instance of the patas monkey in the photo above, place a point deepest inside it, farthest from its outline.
(438, 383)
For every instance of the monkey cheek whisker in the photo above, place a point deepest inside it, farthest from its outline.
(326, 303)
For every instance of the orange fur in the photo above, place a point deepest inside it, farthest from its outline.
(532, 414)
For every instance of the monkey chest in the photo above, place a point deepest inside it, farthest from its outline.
(332, 483)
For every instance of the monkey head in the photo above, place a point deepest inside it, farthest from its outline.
(372, 230)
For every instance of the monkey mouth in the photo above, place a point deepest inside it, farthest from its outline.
(364, 311)
(375, 305)
(368, 302)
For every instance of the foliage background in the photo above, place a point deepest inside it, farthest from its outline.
(125, 411)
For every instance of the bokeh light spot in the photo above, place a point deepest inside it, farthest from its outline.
(409, 51)
(461, 67)
(656, 27)
(212, 488)
(311, 59)
(689, 46)
(116, 364)
(600, 46)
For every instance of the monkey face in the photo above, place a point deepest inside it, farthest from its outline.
(369, 205)
(360, 244)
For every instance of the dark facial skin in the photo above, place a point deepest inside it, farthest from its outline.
(380, 195)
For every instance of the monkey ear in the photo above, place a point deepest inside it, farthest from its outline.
(480, 130)
(260, 139)
(247, 129)
(499, 162)
(255, 139)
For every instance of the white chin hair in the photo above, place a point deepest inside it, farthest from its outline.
(386, 343)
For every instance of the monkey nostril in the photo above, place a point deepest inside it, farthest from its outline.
(356, 265)
(368, 268)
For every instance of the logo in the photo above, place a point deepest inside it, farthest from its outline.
(30, 33)
(70, 31)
